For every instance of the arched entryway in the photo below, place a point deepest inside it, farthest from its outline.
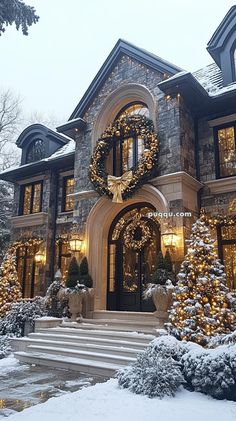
(129, 267)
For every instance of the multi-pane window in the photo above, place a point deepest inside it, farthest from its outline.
(228, 253)
(31, 198)
(28, 272)
(63, 258)
(67, 199)
(127, 151)
(36, 151)
(226, 146)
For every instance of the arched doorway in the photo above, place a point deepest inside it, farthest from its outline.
(129, 269)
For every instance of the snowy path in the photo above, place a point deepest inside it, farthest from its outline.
(106, 402)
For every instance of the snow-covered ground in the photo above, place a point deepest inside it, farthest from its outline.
(11, 364)
(106, 401)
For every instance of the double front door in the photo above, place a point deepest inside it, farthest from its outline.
(129, 269)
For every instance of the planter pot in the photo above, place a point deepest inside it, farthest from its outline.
(162, 298)
(75, 305)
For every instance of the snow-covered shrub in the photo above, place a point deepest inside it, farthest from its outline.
(222, 340)
(24, 311)
(155, 372)
(55, 306)
(212, 371)
(5, 347)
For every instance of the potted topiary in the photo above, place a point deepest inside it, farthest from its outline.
(74, 290)
(84, 275)
(161, 287)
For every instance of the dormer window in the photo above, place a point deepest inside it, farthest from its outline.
(127, 151)
(36, 151)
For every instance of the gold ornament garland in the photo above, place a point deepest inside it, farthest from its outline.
(129, 234)
(120, 188)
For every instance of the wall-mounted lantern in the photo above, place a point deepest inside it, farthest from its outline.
(40, 257)
(76, 244)
(170, 239)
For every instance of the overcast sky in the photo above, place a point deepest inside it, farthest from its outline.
(52, 67)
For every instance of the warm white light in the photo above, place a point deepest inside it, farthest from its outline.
(76, 244)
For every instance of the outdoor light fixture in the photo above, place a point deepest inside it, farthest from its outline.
(169, 239)
(39, 257)
(76, 244)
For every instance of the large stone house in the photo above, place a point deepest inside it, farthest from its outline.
(194, 116)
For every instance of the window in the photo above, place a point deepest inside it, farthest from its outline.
(234, 63)
(28, 272)
(63, 258)
(36, 151)
(127, 151)
(31, 198)
(226, 150)
(227, 242)
(68, 188)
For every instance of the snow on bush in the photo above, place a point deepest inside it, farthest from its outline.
(155, 372)
(168, 363)
(12, 325)
(222, 340)
(5, 347)
(212, 371)
(21, 312)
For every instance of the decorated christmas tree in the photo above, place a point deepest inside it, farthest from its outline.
(10, 288)
(202, 305)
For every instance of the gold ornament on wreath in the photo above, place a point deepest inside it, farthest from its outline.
(121, 188)
(137, 234)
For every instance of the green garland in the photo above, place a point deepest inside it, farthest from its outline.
(126, 127)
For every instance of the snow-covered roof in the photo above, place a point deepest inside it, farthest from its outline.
(210, 78)
(64, 150)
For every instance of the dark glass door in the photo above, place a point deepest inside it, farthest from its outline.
(129, 270)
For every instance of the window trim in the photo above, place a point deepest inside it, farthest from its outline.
(222, 242)
(217, 151)
(63, 203)
(22, 197)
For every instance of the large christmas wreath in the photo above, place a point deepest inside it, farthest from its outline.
(137, 234)
(120, 188)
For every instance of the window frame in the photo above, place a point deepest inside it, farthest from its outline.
(64, 186)
(222, 242)
(217, 150)
(22, 198)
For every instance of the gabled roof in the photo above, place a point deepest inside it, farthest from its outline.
(40, 129)
(121, 47)
(221, 34)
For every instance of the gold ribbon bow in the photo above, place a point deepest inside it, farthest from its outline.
(116, 185)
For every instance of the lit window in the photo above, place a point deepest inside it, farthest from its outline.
(227, 151)
(228, 247)
(28, 272)
(126, 152)
(63, 258)
(36, 151)
(31, 201)
(68, 189)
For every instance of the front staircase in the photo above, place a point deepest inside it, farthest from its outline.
(98, 346)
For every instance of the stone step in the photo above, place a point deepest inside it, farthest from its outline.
(117, 325)
(85, 355)
(84, 340)
(96, 368)
(100, 333)
(22, 344)
(125, 315)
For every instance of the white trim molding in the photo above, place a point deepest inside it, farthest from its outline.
(177, 177)
(222, 120)
(29, 220)
(82, 195)
(222, 185)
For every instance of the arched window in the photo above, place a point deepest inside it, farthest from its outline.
(234, 63)
(127, 151)
(36, 151)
